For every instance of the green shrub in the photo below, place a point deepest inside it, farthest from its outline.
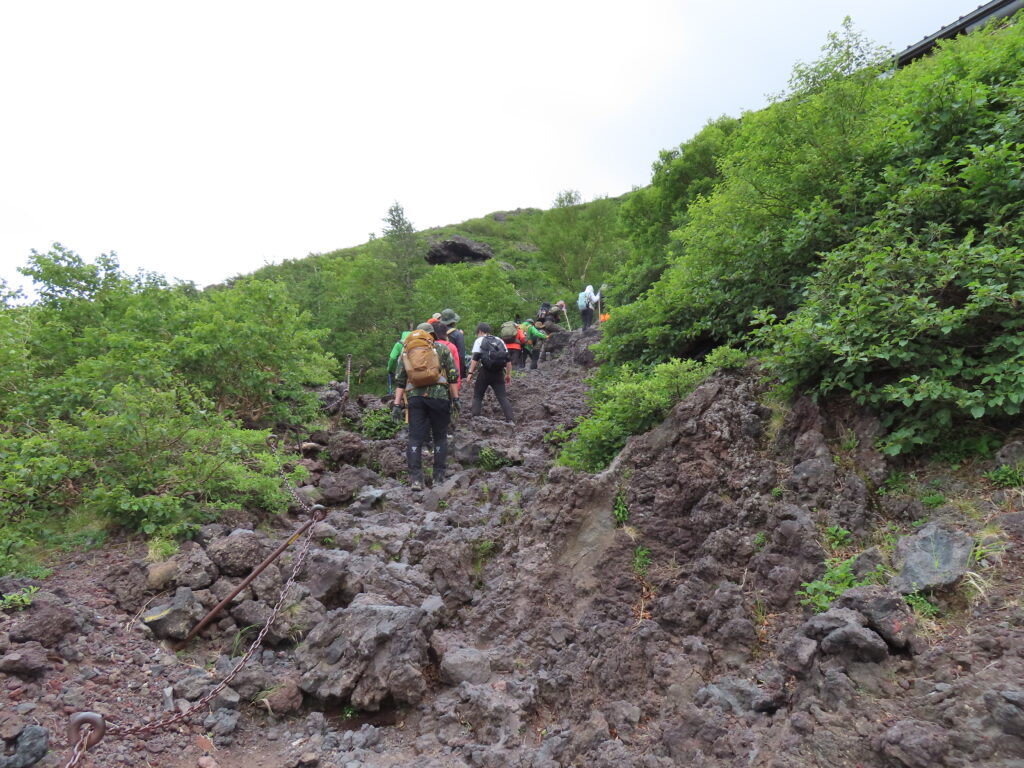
(378, 425)
(921, 605)
(1006, 476)
(641, 561)
(492, 461)
(620, 510)
(838, 578)
(632, 399)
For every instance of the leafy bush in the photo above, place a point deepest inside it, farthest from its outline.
(630, 400)
(838, 578)
(641, 561)
(378, 425)
(1005, 476)
(491, 460)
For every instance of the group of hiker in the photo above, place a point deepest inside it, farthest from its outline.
(430, 365)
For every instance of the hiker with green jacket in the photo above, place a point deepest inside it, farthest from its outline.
(396, 353)
(427, 386)
(535, 337)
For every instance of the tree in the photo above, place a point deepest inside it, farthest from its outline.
(403, 247)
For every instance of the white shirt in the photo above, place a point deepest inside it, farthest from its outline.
(479, 341)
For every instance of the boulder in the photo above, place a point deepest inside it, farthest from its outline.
(127, 583)
(175, 619)
(237, 553)
(28, 748)
(285, 698)
(366, 653)
(458, 250)
(25, 661)
(465, 665)
(1007, 710)
(47, 621)
(886, 613)
(340, 487)
(195, 569)
(913, 744)
(932, 559)
(345, 447)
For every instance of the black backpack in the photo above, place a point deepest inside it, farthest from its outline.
(543, 312)
(493, 354)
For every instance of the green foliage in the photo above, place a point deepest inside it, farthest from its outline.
(578, 243)
(123, 399)
(760, 541)
(1006, 476)
(837, 538)
(484, 550)
(837, 578)
(630, 400)
(921, 605)
(620, 510)
(491, 460)
(378, 425)
(641, 561)
(933, 500)
(18, 601)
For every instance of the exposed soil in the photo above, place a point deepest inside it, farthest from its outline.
(521, 614)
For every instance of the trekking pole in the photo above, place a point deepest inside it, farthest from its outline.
(565, 313)
(391, 389)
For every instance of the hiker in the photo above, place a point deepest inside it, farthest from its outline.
(456, 337)
(534, 339)
(441, 334)
(492, 365)
(396, 353)
(426, 386)
(586, 301)
(514, 339)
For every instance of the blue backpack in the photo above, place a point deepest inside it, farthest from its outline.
(581, 302)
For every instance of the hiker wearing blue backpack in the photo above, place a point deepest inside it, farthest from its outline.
(586, 302)
(490, 366)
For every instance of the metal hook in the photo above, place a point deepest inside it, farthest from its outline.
(94, 720)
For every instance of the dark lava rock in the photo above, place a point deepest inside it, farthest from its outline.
(46, 621)
(1007, 709)
(886, 612)
(934, 558)
(458, 250)
(176, 618)
(237, 553)
(913, 744)
(127, 583)
(28, 661)
(29, 748)
(369, 652)
(195, 569)
(345, 447)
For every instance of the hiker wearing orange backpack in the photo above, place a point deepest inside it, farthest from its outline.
(427, 388)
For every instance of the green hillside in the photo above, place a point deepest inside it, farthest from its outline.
(861, 235)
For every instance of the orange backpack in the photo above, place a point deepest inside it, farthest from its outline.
(421, 361)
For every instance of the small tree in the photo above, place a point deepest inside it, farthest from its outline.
(403, 248)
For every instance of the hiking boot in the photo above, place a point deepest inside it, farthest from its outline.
(416, 482)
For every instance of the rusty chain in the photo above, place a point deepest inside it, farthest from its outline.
(94, 724)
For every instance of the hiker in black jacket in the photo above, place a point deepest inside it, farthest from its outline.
(491, 366)
(456, 337)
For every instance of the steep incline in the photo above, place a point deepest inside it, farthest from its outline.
(525, 615)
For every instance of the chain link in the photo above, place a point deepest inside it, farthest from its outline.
(147, 728)
(79, 751)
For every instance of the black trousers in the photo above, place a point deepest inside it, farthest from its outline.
(427, 416)
(535, 355)
(495, 379)
(588, 317)
(517, 357)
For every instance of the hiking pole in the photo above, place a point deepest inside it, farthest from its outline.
(391, 389)
(565, 313)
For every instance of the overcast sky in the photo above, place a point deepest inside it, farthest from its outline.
(204, 139)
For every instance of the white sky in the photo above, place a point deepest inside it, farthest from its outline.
(204, 139)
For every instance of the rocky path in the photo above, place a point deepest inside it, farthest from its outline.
(521, 614)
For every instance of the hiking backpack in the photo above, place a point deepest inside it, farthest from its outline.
(544, 312)
(493, 354)
(509, 332)
(581, 302)
(421, 361)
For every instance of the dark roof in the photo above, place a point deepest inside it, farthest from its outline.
(997, 9)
